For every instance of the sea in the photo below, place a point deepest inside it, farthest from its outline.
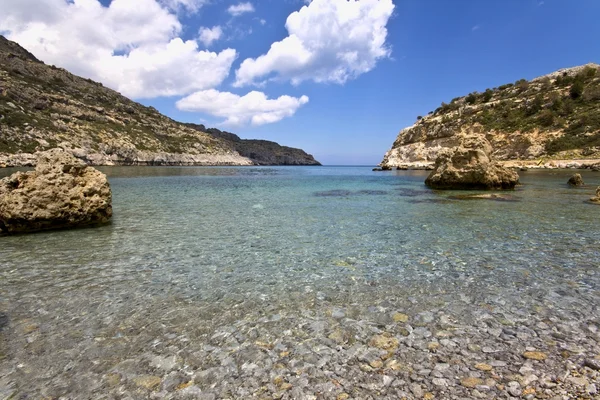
(200, 265)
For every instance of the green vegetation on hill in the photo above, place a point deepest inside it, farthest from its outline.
(43, 106)
(566, 102)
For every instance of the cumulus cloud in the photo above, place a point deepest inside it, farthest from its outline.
(189, 5)
(328, 41)
(254, 108)
(240, 9)
(132, 46)
(209, 35)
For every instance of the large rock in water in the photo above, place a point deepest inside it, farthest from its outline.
(576, 180)
(469, 166)
(62, 192)
(596, 200)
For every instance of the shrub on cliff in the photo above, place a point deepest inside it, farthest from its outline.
(576, 89)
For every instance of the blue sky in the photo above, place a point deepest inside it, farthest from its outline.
(434, 50)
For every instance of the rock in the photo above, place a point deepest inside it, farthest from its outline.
(514, 388)
(471, 382)
(384, 342)
(483, 367)
(576, 180)
(596, 199)
(62, 192)
(149, 382)
(469, 166)
(590, 362)
(399, 317)
(535, 355)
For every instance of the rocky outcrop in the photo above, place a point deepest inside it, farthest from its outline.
(553, 117)
(469, 166)
(44, 107)
(576, 180)
(261, 152)
(62, 192)
(596, 199)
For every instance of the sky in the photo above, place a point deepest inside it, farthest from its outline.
(337, 78)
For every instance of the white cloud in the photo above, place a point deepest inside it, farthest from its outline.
(254, 108)
(209, 35)
(263, 21)
(328, 41)
(132, 46)
(189, 5)
(240, 9)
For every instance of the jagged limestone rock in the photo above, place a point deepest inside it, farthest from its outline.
(469, 166)
(62, 192)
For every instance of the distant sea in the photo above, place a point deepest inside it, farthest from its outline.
(196, 251)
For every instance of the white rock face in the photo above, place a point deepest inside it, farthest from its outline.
(62, 192)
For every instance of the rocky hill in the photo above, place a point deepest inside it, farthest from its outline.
(553, 117)
(261, 152)
(43, 107)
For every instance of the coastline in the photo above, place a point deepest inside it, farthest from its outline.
(593, 164)
(140, 159)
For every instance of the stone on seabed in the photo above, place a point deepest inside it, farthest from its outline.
(62, 192)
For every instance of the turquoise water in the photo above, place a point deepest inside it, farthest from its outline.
(195, 252)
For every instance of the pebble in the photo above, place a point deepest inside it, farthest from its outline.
(399, 317)
(535, 355)
(471, 382)
(149, 382)
(592, 364)
(483, 367)
(514, 388)
(384, 342)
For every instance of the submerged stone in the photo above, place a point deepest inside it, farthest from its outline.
(485, 196)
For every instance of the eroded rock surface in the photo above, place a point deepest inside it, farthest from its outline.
(62, 192)
(576, 180)
(596, 199)
(469, 166)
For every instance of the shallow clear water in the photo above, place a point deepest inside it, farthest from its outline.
(195, 252)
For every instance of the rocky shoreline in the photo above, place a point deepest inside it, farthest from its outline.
(136, 158)
(592, 164)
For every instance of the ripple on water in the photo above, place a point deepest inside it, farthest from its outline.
(227, 276)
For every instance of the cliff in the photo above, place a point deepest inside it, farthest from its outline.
(261, 152)
(552, 117)
(43, 107)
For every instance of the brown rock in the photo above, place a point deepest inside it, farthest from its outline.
(471, 382)
(62, 192)
(576, 180)
(399, 317)
(469, 166)
(384, 342)
(596, 199)
(483, 367)
(149, 382)
(535, 355)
